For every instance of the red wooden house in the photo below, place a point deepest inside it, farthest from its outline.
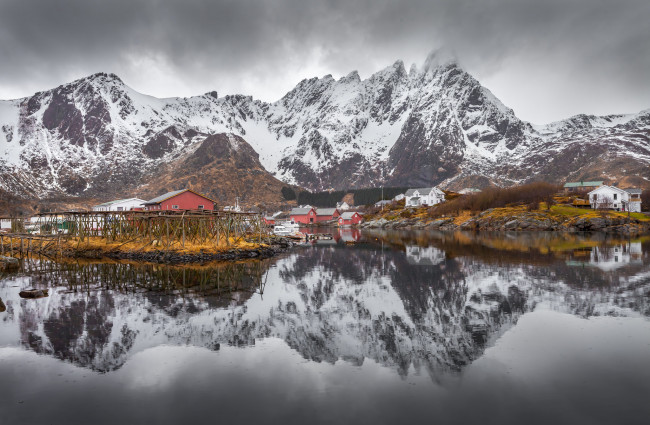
(180, 200)
(327, 214)
(349, 218)
(303, 215)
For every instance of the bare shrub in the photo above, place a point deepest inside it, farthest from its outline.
(549, 200)
(406, 214)
(532, 206)
(645, 200)
(495, 197)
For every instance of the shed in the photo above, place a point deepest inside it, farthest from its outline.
(180, 200)
(303, 215)
(350, 218)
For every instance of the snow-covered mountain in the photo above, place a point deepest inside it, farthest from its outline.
(432, 124)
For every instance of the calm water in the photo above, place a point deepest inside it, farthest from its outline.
(377, 328)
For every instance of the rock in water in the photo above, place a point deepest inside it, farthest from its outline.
(33, 293)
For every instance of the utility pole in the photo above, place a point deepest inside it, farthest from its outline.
(382, 188)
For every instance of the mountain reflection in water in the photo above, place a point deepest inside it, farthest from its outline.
(424, 304)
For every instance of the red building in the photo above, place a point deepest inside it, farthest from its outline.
(180, 200)
(349, 218)
(303, 215)
(326, 214)
(269, 221)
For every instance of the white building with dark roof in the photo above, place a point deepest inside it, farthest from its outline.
(120, 205)
(611, 197)
(424, 196)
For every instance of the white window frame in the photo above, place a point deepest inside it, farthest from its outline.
(174, 207)
(201, 207)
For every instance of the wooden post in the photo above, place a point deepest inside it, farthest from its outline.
(167, 226)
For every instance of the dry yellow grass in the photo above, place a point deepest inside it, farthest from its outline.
(462, 217)
(101, 244)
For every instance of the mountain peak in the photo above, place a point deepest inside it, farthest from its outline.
(439, 58)
(352, 76)
(102, 77)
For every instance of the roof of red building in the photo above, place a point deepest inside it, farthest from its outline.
(300, 211)
(325, 211)
(348, 215)
(168, 195)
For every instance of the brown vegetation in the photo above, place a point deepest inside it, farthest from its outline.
(645, 200)
(530, 195)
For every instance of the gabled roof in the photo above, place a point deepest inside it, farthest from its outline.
(614, 188)
(634, 191)
(119, 201)
(168, 195)
(300, 211)
(422, 191)
(583, 184)
(325, 211)
(348, 215)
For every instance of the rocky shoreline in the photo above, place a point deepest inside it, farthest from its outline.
(528, 221)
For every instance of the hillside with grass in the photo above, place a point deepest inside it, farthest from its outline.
(536, 206)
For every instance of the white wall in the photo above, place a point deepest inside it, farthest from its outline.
(619, 199)
(126, 205)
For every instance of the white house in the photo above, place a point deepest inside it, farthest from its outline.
(424, 196)
(5, 224)
(342, 206)
(399, 197)
(610, 197)
(120, 205)
(424, 256)
(614, 257)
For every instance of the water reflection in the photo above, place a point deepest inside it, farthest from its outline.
(393, 326)
(408, 301)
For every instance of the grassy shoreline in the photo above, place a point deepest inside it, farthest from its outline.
(560, 217)
(152, 251)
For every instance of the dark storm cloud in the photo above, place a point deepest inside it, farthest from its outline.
(546, 59)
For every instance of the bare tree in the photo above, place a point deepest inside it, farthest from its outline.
(604, 202)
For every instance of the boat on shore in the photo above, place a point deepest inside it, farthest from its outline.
(288, 230)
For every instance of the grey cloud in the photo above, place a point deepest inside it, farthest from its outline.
(546, 59)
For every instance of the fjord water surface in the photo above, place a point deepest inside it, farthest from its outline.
(380, 328)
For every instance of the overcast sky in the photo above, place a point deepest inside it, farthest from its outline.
(546, 59)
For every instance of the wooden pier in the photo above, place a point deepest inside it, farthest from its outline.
(159, 230)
